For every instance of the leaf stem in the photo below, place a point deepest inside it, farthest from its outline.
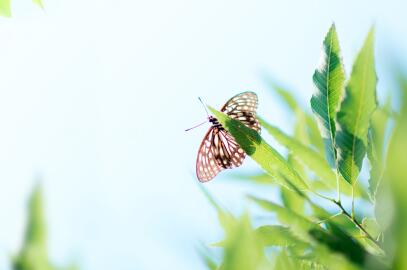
(353, 202)
(357, 224)
(351, 217)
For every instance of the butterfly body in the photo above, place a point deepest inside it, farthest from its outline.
(219, 150)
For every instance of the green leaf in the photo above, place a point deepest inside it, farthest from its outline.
(288, 98)
(39, 3)
(5, 9)
(33, 254)
(329, 80)
(308, 156)
(339, 241)
(261, 152)
(312, 159)
(396, 173)
(286, 262)
(277, 235)
(371, 227)
(243, 249)
(291, 200)
(207, 258)
(297, 223)
(376, 147)
(283, 93)
(314, 134)
(355, 112)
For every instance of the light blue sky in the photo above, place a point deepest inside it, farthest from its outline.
(95, 96)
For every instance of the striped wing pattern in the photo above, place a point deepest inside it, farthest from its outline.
(219, 150)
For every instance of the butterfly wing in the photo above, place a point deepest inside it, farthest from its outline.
(207, 166)
(243, 107)
(227, 151)
(218, 151)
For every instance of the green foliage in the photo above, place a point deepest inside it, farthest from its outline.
(397, 175)
(38, 3)
(309, 125)
(329, 80)
(33, 254)
(355, 112)
(5, 7)
(376, 146)
(312, 230)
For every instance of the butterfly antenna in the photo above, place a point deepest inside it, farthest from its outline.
(207, 113)
(203, 104)
(197, 125)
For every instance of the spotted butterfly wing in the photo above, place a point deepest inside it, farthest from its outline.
(219, 150)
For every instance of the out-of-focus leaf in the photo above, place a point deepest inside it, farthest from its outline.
(5, 9)
(291, 200)
(307, 155)
(288, 98)
(283, 261)
(314, 134)
(285, 95)
(332, 260)
(371, 227)
(276, 235)
(298, 224)
(225, 218)
(313, 160)
(208, 260)
(33, 254)
(376, 147)
(355, 112)
(258, 178)
(396, 173)
(339, 241)
(329, 80)
(38, 3)
(259, 150)
(384, 207)
(243, 249)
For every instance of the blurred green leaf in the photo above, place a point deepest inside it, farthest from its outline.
(38, 3)
(339, 241)
(261, 152)
(355, 112)
(311, 126)
(243, 249)
(313, 160)
(5, 9)
(33, 254)
(329, 80)
(308, 156)
(208, 260)
(291, 200)
(396, 173)
(371, 227)
(284, 261)
(285, 95)
(277, 235)
(297, 223)
(376, 146)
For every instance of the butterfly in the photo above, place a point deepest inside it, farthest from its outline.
(219, 150)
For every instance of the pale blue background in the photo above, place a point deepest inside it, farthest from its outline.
(95, 95)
